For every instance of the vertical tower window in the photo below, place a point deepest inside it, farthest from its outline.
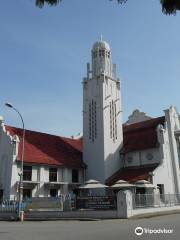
(113, 120)
(110, 114)
(92, 120)
(95, 120)
(89, 121)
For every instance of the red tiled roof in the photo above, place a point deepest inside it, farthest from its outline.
(136, 137)
(42, 148)
(142, 135)
(48, 149)
(75, 143)
(131, 174)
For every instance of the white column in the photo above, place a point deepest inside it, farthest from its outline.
(124, 204)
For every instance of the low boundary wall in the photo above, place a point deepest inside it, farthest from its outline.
(47, 215)
(155, 210)
(126, 208)
(8, 216)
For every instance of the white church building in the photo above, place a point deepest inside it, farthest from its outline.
(143, 148)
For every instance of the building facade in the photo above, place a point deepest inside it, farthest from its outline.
(143, 148)
(52, 165)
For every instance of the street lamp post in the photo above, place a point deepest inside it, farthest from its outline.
(20, 211)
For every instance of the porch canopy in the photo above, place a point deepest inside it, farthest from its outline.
(122, 184)
(92, 184)
(144, 184)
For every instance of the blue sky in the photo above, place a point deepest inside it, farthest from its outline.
(43, 56)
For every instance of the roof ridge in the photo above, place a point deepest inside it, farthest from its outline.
(43, 133)
(139, 125)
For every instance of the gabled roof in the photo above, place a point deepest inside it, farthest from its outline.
(141, 135)
(132, 174)
(136, 137)
(43, 148)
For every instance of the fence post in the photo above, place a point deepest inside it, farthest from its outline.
(124, 204)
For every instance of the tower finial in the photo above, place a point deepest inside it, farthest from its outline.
(101, 38)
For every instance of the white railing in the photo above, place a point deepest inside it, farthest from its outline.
(8, 206)
(155, 200)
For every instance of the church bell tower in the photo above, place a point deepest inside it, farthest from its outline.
(102, 115)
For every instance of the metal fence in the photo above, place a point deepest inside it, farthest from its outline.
(8, 206)
(155, 200)
(43, 203)
(70, 203)
(60, 203)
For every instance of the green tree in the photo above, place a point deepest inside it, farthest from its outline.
(168, 6)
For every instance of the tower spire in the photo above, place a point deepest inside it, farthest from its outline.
(101, 37)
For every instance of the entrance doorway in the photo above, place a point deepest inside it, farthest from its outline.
(27, 193)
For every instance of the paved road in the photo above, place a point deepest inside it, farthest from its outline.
(90, 230)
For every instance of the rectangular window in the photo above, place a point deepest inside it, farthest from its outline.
(161, 188)
(53, 192)
(27, 173)
(53, 174)
(1, 195)
(75, 175)
(14, 147)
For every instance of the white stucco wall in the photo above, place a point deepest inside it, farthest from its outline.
(173, 124)
(6, 161)
(143, 158)
(163, 174)
(101, 154)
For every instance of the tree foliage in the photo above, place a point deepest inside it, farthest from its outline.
(40, 3)
(168, 6)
